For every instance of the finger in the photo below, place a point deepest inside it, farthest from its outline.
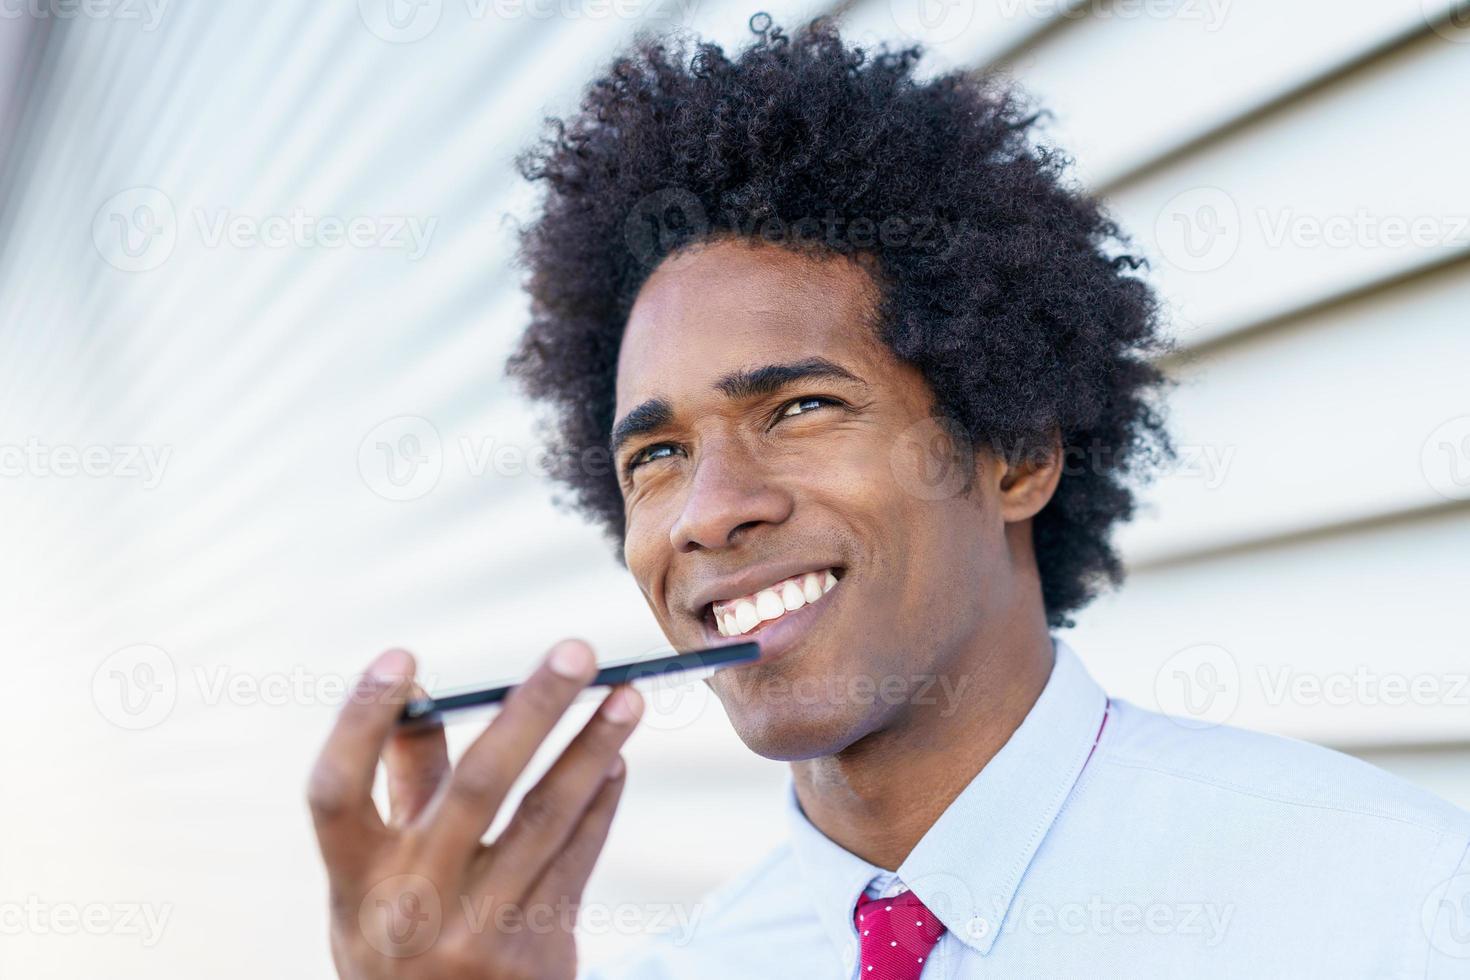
(465, 807)
(566, 877)
(340, 792)
(417, 762)
(549, 813)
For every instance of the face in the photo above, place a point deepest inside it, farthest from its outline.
(784, 481)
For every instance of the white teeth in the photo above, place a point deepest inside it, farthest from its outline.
(737, 616)
(811, 587)
(768, 604)
(792, 596)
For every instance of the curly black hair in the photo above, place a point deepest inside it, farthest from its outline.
(1029, 323)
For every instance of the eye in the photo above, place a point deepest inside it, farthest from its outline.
(806, 404)
(665, 450)
(650, 453)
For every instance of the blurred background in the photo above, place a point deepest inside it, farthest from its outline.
(256, 292)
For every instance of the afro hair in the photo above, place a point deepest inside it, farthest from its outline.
(1026, 318)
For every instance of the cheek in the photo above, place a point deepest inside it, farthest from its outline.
(912, 500)
(642, 552)
(648, 551)
(892, 529)
(852, 474)
(898, 466)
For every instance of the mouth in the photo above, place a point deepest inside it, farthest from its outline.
(759, 610)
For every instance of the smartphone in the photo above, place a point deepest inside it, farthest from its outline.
(426, 712)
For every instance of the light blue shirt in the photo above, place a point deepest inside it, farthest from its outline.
(1152, 849)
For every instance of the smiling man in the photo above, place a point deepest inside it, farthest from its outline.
(875, 380)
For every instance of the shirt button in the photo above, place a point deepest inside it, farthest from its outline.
(978, 927)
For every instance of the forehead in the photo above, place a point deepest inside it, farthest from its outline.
(731, 304)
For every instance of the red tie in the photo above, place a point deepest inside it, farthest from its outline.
(895, 935)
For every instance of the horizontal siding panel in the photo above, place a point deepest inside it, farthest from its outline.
(1344, 414)
(1379, 598)
(1351, 185)
(1127, 85)
(955, 35)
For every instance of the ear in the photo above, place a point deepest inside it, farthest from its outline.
(1027, 480)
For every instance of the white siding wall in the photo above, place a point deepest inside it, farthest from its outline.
(1323, 527)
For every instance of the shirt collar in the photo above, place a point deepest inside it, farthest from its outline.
(968, 865)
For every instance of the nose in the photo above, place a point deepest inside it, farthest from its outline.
(728, 497)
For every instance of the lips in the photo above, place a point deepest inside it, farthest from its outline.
(743, 614)
(779, 635)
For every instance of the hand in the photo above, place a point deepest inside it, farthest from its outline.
(421, 896)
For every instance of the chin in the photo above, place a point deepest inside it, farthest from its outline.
(778, 724)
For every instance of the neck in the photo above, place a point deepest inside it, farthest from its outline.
(877, 797)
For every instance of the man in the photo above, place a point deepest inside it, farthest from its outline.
(874, 379)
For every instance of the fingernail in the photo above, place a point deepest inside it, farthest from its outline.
(621, 706)
(570, 660)
(616, 769)
(391, 666)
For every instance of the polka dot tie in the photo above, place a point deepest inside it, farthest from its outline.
(895, 935)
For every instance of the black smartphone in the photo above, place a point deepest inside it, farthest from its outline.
(424, 712)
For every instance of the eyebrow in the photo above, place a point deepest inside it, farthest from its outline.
(746, 383)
